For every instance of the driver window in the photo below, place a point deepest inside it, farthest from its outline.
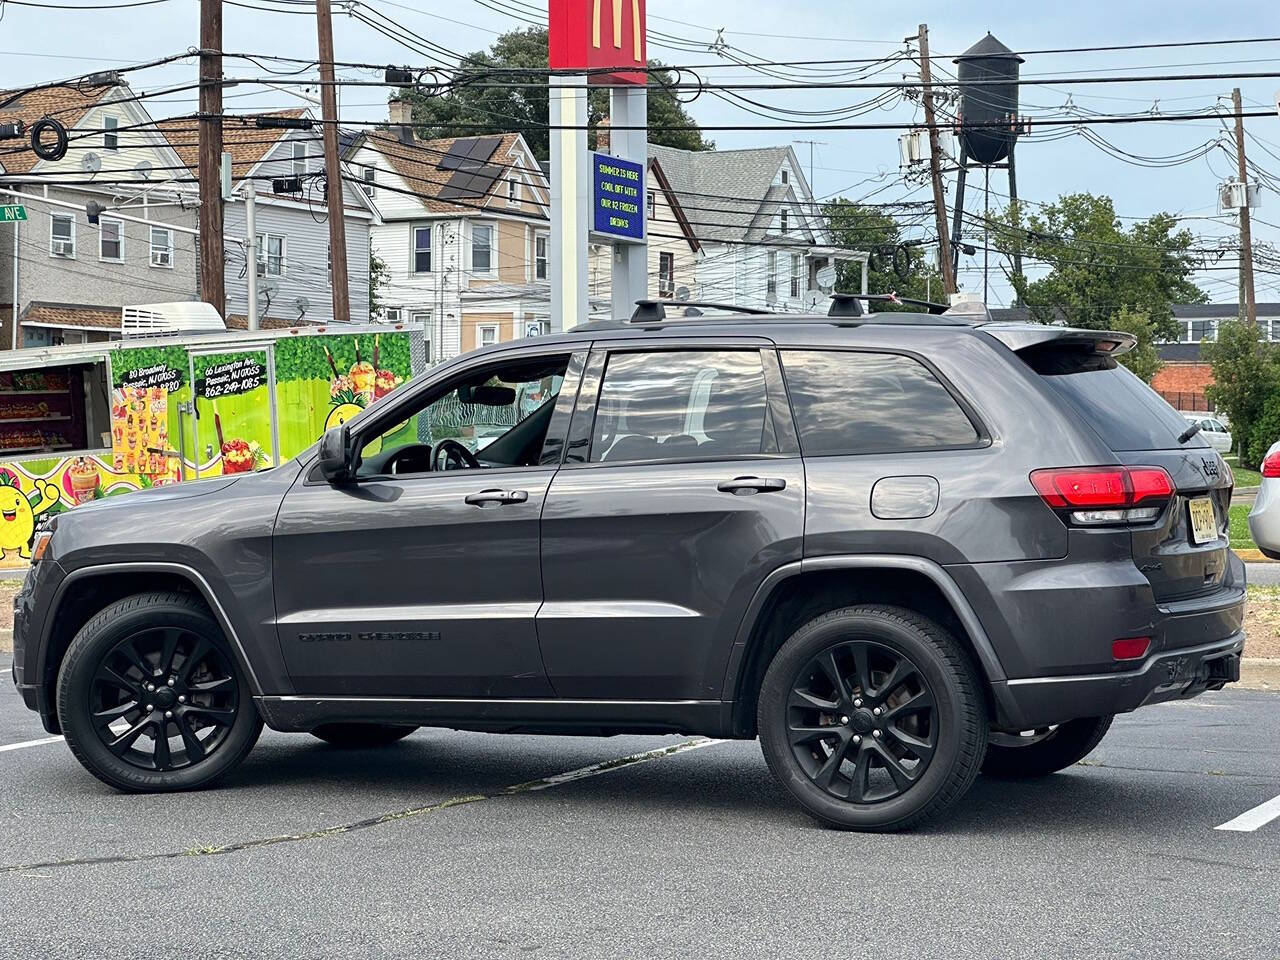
(491, 417)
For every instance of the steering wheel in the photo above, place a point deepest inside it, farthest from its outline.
(449, 454)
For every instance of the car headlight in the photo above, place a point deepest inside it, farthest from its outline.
(40, 544)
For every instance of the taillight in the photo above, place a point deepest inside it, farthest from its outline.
(1271, 465)
(1130, 648)
(1097, 496)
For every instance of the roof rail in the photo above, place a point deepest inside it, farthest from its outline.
(654, 311)
(850, 304)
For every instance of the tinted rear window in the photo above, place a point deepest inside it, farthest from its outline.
(1125, 412)
(848, 403)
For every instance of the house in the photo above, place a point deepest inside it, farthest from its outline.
(754, 216)
(64, 276)
(674, 248)
(293, 265)
(463, 229)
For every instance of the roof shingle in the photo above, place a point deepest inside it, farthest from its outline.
(417, 165)
(67, 104)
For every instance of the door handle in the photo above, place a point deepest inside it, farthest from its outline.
(747, 486)
(499, 497)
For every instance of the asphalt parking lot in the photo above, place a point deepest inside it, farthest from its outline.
(423, 850)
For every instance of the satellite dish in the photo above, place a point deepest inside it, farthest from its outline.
(269, 289)
(682, 293)
(827, 277)
(815, 301)
(302, 305)
(91, 163)
(143, 169)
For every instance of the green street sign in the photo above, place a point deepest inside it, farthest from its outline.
(12, 212)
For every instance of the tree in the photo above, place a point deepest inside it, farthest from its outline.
(1144, 359)
(483, 100)
(1246, 375)
(1099, 268)
(854, 226)
(379, 277)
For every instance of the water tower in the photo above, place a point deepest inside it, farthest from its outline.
(988, 123)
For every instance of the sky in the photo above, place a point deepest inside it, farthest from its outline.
(39, 44)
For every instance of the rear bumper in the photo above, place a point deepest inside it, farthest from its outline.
(1264, 519)
(1173, 675)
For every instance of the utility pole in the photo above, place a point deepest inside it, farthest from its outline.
(935, 164)
(333, 166)
(1247, 301)
(208, 168)
(251, 248)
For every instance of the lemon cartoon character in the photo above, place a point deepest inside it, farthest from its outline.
(341, 414)
(18, 512)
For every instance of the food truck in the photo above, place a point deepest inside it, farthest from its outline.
(86, 421)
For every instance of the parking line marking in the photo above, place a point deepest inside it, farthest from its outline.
(1251, 820)
(5, 748)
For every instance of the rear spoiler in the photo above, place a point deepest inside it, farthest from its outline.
(1025, 336)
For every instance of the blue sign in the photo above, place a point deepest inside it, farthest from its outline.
(617, 197)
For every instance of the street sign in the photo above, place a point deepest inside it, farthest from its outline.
(12, 212)
(599, 35)
(617, 197)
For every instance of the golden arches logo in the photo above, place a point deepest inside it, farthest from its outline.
(636, 35)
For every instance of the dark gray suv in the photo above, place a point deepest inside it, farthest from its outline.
(898, 548)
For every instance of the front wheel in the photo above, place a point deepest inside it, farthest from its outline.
(360, 735)
(151, 699)
(1038, 753)
(872, 718)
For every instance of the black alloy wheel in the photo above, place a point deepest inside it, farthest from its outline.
(151, 697)
(872, 718)
(164, 698)
(862, 721)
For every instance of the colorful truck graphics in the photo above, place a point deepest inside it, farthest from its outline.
(181, 411)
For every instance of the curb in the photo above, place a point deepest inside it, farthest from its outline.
(1252, 556)
(1257, 673)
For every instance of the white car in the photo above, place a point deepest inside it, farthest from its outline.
(1213, 430)
(1264, 518)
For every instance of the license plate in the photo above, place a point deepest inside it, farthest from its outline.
(1204, 522)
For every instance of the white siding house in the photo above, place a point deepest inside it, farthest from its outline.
(293, 227)
(762, 238)
(467, 260)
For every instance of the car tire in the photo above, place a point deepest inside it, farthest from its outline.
(908, 696)
(120, 663)
(357, 736)
(1042, 752)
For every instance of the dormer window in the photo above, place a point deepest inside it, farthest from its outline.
(110, 137)
(784, 221)
(299, 159)
(513, 192)
(786, 177)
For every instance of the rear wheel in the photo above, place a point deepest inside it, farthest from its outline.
(360, 735)
(1038, 753)
(150, 697)
(872, 718)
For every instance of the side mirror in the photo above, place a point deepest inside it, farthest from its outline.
(335, 454)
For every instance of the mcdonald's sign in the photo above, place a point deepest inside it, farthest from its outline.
(599, 35)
